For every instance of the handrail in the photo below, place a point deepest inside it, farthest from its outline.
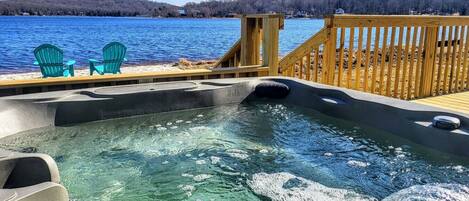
(317, 39)
(231, 56)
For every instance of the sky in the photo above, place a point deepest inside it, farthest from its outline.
(178, 2)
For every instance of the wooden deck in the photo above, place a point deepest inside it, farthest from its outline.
(458, 102)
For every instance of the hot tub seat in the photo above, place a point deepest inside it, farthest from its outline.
(29, 176)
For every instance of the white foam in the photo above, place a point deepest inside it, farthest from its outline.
(200, 162)
(202, 177)
(188, 189)
(215, 160)
(328, 154)
(200, 115)
(285, 186)
(161, 128)
(237, 153)
(169, 123)
(187, 175)
(173, 127)
(165, 162)
(179, 121)
(355, 163)
(263, 151)
(434, 192)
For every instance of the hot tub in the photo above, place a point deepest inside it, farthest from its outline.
(238, 139)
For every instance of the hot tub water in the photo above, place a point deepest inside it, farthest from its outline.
(250, 151)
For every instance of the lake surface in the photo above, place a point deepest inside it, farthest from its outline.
(149, 40)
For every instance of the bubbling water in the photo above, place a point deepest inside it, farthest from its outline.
(242, 152)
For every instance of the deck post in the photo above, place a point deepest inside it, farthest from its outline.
(329, 51)
(426, 81)
(250, 41)
(270, 43)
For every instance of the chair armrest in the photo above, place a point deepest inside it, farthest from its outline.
(70, 63)
(36, 63)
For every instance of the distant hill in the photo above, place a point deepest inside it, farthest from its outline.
(320, 8)
(230, 8)
(87, 7)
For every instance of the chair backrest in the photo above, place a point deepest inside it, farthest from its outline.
(113, 56)
(50, 59)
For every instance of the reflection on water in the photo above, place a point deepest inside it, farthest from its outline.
(242, 152)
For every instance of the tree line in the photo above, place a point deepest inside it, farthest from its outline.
(87, 7)
(321, 8)
(229, 8)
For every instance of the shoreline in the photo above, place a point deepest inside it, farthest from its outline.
(84, 71)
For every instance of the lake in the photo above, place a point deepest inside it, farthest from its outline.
(149, 40)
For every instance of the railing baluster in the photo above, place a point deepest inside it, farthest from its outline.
(308, 65)
(358, 67)
(441, 60)
(350, 57)
(406, 62)
(367, 59)
(419, 62)
(300, 70)
(412, 62)
(383, 60)
(448, 57)
(460, 54)
(375, 60)
(341, 56)
(465, 70)
(453, 59)
(316, 63)
(390, 62)
(399, 61)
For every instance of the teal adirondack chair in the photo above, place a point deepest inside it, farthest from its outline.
(50, 59)
(113, 57)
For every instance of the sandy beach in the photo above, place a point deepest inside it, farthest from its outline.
(179, 66)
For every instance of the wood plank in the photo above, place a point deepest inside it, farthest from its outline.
(428, 62)
(270, 44)
(127, 76)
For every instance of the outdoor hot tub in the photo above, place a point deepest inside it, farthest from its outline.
(228, 139)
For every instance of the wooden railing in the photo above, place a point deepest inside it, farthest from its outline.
(406, 57)
(232, 57)
(259, 32)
